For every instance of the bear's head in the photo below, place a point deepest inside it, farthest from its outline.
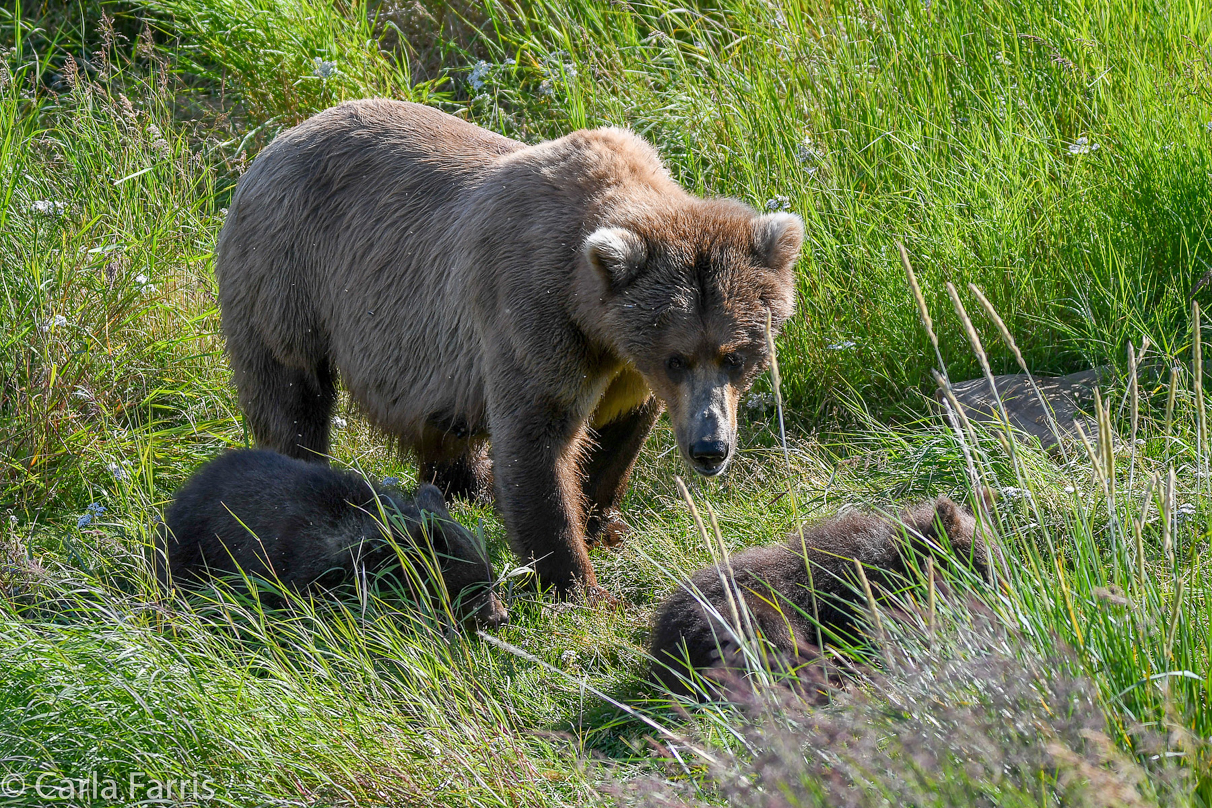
(687, 288)
(461, 558)
(942, 524)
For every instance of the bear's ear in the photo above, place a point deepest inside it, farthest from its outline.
(777, 239)
(616, 254)
(949, 516)
(429, 498)
(966, 541)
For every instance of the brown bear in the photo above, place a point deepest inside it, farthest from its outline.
(464, 286)
(774, 582)
(264, 515)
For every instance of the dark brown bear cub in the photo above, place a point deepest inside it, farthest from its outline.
(302, 524)
(774, 582)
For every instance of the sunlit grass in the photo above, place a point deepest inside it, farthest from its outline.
(955, 130)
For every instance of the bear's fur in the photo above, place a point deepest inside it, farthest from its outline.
(463, 285)
(774, 583)
(303, 524)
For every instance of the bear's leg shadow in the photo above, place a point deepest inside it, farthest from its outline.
(608, 468)
(536, 453)
(288, 408)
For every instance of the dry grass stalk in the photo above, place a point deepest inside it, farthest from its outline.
(1138, 528)
(922, 311)
(1099, 473)
(733, 610)
(1197, 362)
(961, 426)
(1170, 404)
(1176, 610)
(777, 382)
(726, 566)
(1106, 449)
(1008, 338)
(979, 349)
(875, 612)
(931, 597)
(1168, 513)
(1134, 397)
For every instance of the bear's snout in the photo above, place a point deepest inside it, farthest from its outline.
(493, 614)
(710, 436)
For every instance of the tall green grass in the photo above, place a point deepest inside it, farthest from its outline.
(1055, 155)
(946, 127)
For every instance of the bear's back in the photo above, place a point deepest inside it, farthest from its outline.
(260, 511)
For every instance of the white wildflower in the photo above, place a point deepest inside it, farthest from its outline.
(157, 140)
(1070, 489)
(479, 75)
(48, 208)
(808, 152)
(555, 69)
(778, 203)
(1010, 492)
(51, 323)
(842, 346)
(1184, 512)
(339, 423)
(324, 68)
(568, 659)
(759, 402)
(1082, 146)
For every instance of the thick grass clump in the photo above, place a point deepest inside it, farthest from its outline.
(1053, 156)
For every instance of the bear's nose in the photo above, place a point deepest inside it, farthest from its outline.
(709, 453)
(494, 615)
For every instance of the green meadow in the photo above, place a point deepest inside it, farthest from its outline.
(1055, 157)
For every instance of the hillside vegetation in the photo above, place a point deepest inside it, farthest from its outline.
(1057, 156)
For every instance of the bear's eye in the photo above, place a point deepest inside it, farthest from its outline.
(674, 364)
(734, 361)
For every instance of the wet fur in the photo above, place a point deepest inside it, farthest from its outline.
(443, 273)
(303, 524)
(774, 582)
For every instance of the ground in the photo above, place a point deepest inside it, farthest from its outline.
(1054, 156)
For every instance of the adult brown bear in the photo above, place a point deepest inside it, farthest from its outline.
(464, 285)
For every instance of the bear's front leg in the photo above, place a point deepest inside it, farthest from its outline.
(537, 444)
(616, 446)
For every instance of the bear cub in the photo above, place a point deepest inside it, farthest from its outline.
(774, 582)
(303, 524)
